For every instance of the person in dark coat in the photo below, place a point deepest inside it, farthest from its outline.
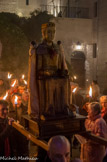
(6, 132)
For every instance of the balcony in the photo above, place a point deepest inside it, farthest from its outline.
(65, 11)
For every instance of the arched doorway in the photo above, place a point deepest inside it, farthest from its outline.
(78, 67)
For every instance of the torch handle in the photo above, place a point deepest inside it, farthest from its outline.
(16, 111)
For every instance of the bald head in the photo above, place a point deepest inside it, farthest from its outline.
(59, 149)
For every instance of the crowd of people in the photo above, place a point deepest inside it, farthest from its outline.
(48, 102)
(15, 88)
(91, 151)
(12, 143)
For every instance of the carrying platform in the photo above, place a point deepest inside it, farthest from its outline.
(63, 126)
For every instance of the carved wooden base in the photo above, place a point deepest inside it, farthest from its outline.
(46, 129)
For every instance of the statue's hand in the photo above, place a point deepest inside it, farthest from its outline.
(46, 73)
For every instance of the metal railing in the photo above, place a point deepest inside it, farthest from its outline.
(65, 11)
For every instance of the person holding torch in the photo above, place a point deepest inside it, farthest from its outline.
(6, 135)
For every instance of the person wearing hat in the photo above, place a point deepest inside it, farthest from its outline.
(103, 102)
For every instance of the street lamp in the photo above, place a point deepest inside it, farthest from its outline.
(78, 46)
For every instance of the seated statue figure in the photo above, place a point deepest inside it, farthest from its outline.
(52, 75)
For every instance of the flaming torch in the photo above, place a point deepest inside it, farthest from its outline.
(23, 76)
(4, 98)
(15, 101)
(13, 84)
(25, 82)
(9, 77)
(74, 90)
(75, 77)
(90, 93)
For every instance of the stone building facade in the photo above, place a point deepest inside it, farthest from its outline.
(69, 8)
(70, 32)
(20, 7)
(101, 43)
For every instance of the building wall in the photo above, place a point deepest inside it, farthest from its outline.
(82, 4)
(70, 31)
(102, 44)
(19, 6)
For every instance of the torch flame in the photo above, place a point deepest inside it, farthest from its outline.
(90, 92)
(13, 83)
(23, 76)
(9, 76)
(74, 90)
(75, 77)
(16, 98)
(25, 82)
(4, 98)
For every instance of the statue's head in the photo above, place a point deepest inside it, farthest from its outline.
(48, 31)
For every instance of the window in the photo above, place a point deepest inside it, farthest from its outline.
(95, 9)
(94, 50)
(27, 2)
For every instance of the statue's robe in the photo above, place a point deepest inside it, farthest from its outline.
(33, 105)
(53, 89)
